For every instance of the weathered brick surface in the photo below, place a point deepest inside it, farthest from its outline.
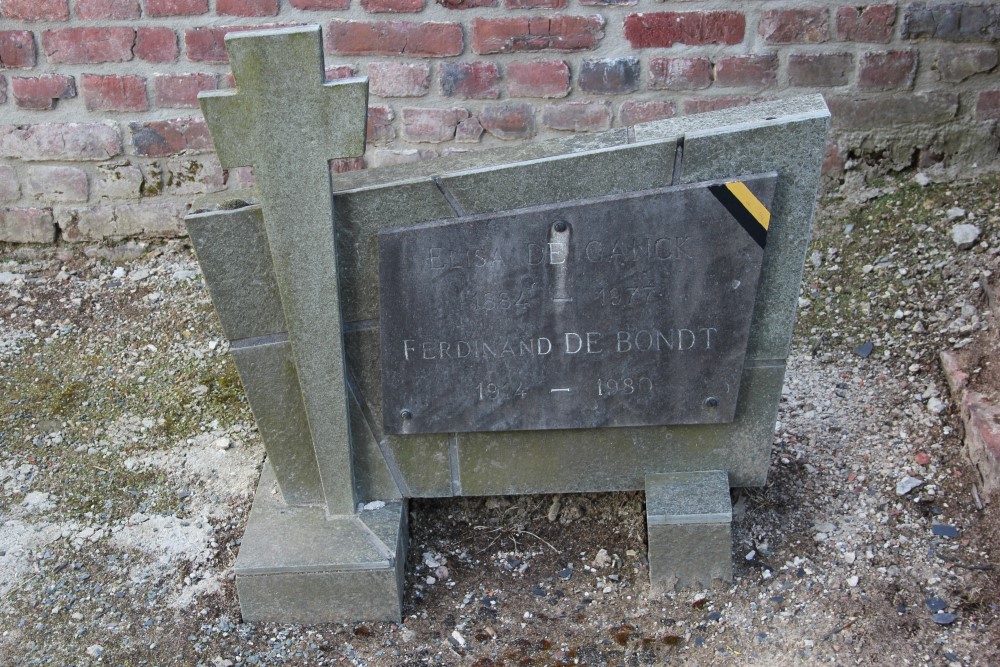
(988, 105)
(180, 91)
(395, 79)
(395, 38)
(887, 70)
(156, 45)
(475, 80)
(609, 76)
(873, 23)
(42, 92)
(538, 78)
(794, 26)
(469, 130)
(27, 225)
(35, 10)
(467, 4)
(107, 92)
(818, 70)
(706, 104)
(320, 4)
(577, 116)
(246, 7)
(431, 125)
(207, 44)
(56, 184)
(380, 129)
(680, 73)
(509, 120)
(954, 21)
(390, 6)
(536, 33)
(664, 29)
(157, 8)
(169, 137)
(118, 180)
(535, 4)
(759, 71)
(868, 113)
(73, 46)
(3, 89)
(101, 10)
(958, 64)
(17, 48)
(10, 186)
(60, 141)
(634, 111)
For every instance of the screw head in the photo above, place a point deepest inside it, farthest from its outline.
(712, 402)
(560, 226)
(406, 415)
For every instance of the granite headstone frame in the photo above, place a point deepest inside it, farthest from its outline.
(601, 312)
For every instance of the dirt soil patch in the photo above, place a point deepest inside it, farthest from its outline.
(128, 458)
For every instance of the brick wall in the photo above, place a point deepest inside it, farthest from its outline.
(101, 137)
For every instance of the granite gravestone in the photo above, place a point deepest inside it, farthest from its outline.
(595, 313)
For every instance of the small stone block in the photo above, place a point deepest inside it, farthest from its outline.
(296, 565)
(688, 517)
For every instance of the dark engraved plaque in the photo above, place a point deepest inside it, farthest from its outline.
(616, 311)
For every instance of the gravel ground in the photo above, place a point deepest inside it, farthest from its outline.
(128, 458)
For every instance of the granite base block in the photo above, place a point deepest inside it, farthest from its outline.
(297, 566)
(688, 519)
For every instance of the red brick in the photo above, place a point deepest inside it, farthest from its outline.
(833, 161)
(534, 4)
(320, 4)
(169, 137)
(664, 29)
(539, 33)
(680, 73)
(794, 26)
(60, 141)
(27, 225)
(88, 45)
(208, 43)
(467, 4)
(100, 10)
(577, 116)
(392, 79)
(956, 64)
(469, 131)
(246, 7)
(3, 89)
(180, 91)
(10, 188)
(332, 73)
(42, 92)
(817, 70)
(344, 164)
(477, 80)
(609, 76)
(156, 45)
(988, 105)
(538, 78)
(35, 10)
(753, 71)
(896, 110)
(510, 120)
(395, 38)
(380, 130)
(57, 184)
(17, 48)
(385, 6)
(873, 23)
(887, 70)
(108, 92)
(636, 111)
(608, 3)
(704, 104)
(431, 125)
(158, 8)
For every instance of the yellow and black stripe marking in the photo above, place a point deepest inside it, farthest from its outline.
(745, 207)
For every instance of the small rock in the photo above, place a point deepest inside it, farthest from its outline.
(943, 530)
(853, 581)
(456, 638)
(922, 179)
(944, 618)
(602, 558)
(936, 406)
(118, 273)
(95, 651)
(923, 458)
(865, 350)
(6, 277)
(935, 604)
(441, 573)
(964, 236)
(374, 505)
(907, 484)
(222, 443)
(955, 213)
(430, 581)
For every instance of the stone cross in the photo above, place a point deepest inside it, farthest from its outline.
(286, 122)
